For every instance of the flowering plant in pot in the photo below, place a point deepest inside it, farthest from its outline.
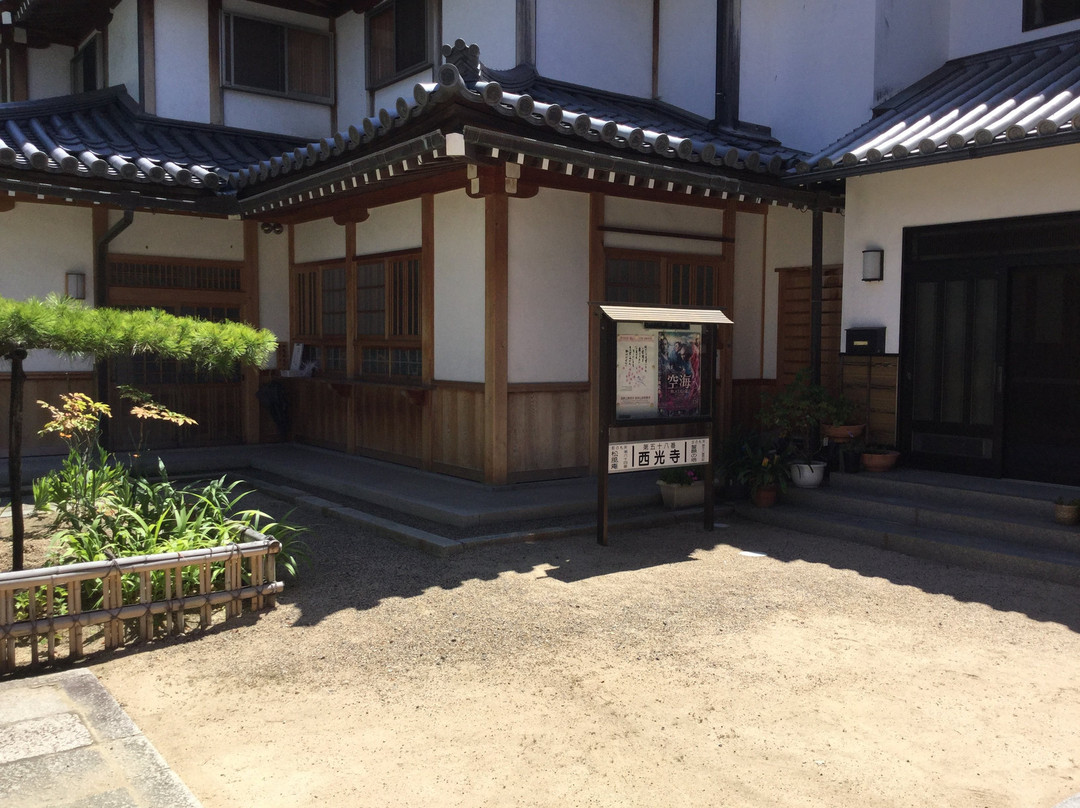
(838, 422)
(683, 486)
(876, 457)
(765, 471)
(794, 413)
(1066, 512)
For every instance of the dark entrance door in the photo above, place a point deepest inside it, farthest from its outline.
(990, 354)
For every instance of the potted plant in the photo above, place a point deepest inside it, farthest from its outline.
(1066, 512)
(683, 486)
(879, 458)
(766, 473)
(838, 423)
(795, 413)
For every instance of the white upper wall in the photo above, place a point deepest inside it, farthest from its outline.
(981, 25)
(49, 71)
(491, 24)
(459, 288)
(880, 206)
(123, 47)
(686, 73)
(179, 237)
(911, 40)
(182, 60)
(600, 43)
(351, 85)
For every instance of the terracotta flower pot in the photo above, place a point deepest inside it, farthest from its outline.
(764, 496)
(842, 433)
(879, 461)
(1066, 514)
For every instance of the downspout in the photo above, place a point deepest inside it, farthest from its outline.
(728, 23)
(816, 293)
(101, 256)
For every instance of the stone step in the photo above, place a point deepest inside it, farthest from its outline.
(949, 547)
(957, 511)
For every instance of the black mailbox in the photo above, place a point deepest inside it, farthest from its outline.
(865, 341)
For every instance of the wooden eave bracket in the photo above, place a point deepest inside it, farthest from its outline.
(486, 180)
(353, 215)
(7, 203)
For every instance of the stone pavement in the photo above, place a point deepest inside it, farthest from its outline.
(66, 743)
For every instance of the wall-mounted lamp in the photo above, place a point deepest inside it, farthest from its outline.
(272, 227)
(75, 285)
(873, 265)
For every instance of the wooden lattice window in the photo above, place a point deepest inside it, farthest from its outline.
(388, 314)
(659, 279)
(397, 40)
(320, 302)
(175, 273)
(269, 57)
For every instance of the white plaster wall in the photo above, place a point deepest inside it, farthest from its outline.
(352, 97)
(321, 240)
(48, 71)
(491, 24)
(752, 281)
(285, 116)
(807, 69)
(790, 242)
(40, 244)
(601, 43)
(911, 40)
(264, 11)
(459, 288)
(391, 227)
(634, 213)
(980, 25)
(182, 60)
(387, 97)
(880, 206)
(123, 55)
(686, 73)
(180, 237)
(549, 288)
(274, 284)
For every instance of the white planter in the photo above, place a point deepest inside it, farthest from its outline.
(682, 496)
(808, 475)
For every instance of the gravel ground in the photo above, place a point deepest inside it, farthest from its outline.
(749, 666)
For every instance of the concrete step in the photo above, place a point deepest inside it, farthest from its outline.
(1010, 519)
(949, 547)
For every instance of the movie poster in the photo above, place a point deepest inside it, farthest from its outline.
(679, 373)
(635, 388)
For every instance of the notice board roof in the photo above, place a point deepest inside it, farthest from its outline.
(664, 314)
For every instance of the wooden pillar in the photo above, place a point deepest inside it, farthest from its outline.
(427, 324)
(725, 333)
(496, 259)
(250, 314)
(816, 282)
(352, 358)
(597, 294)
(147, 56)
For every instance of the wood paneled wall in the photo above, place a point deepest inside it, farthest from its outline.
(548, 430)
(870, 381)
(457, 441)
(44, 387)
(746, 401)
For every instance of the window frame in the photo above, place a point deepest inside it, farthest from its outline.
(400, 72)
(410, 308)
(1028, 13)
(667, 262)
(227, 58)
(307, 320)
(95, 43)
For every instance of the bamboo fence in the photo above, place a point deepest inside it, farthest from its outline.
(54, 597)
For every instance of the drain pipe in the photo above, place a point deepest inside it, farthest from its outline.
(728, 23)
(101, 264)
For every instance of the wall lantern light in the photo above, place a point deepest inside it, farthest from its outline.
(873, 265)
(75, 285)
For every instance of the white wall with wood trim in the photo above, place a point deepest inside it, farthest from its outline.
(548, 290)
(979, 25)
(182, 60)
(123, 48)
(662, 217)
(274, 284)
(459, 287)
(686, 72)
(880, 206)
(40, 244)
(491, 24)
(264, 113)
(391, 227)
(911, 39)
(48, 71)
(320, 240)
(790, 238)
(601, 43)
(387, 97)
(179, 237)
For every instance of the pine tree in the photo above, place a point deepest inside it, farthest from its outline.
(67, 327)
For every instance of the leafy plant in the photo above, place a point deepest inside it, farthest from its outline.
(840, 411)
(684, 475)
(795, 411)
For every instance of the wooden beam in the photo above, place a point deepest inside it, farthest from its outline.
(725, 334)
(427, 321)
(496, 282)
(147, 57)
(597, 293)
(669, 234)
(249, 312)
(213, 48)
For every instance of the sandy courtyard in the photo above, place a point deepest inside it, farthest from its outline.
(669, 669)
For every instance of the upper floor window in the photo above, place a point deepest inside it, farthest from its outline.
(277, 59)
(397, 40)
(1041, 13)
(88, 66)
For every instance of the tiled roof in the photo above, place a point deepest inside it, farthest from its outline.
(1025, 96)
(102, 135)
